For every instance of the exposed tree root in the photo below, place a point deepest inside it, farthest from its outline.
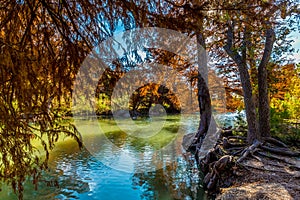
(249, 150)
(230, 153)
(237, 137)
(268, 168)
(281, 151)
(218, 166)
(229, 143)
(279, 158)
(275, 142)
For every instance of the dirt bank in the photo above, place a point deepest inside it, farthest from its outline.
(264, 179)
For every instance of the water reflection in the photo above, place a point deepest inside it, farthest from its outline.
(172, 182)
(76, 174)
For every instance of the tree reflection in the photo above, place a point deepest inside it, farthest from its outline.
(175, 180)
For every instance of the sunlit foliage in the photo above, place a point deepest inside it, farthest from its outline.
(43, 44)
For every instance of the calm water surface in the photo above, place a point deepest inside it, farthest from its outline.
(117, 165)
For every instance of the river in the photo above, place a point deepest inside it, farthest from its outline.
(118, 163)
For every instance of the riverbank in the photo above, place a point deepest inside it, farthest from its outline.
(265, 179)
(234, 171)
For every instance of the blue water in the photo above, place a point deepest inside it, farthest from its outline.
(88, 174)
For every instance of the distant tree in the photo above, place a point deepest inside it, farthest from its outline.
(284, 88)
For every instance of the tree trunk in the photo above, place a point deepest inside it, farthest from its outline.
(249, 104)
(246, 84)
(203, 91)
(264, 107)
(193, 143)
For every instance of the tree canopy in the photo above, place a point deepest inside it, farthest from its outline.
(43, 43)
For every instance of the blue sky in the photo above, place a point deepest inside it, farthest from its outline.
(296, 37)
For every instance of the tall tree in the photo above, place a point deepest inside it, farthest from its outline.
(246, 84)
(248, 40)
(266, 20)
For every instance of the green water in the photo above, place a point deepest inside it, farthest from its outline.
(119, 162)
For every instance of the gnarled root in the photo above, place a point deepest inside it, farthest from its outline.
(211, 178)
(231, 152)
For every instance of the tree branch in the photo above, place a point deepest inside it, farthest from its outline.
(270, 39)
(229, 45)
